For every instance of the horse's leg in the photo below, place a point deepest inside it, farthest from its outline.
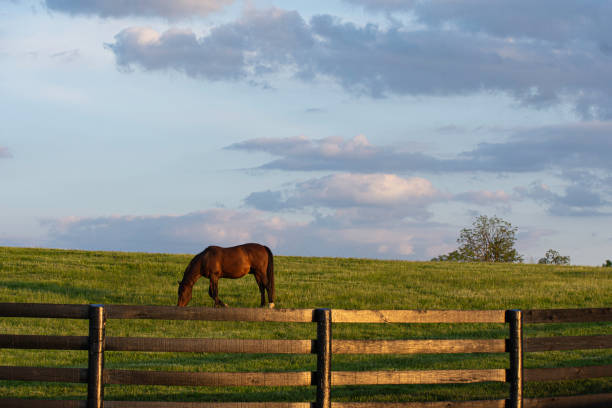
(213, 290)
(259, 278)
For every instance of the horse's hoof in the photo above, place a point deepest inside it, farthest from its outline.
(271, 305)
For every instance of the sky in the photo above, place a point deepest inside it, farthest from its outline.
(342, 128)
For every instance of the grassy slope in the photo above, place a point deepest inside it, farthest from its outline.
(54, 276)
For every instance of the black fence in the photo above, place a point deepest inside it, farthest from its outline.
(324, 378)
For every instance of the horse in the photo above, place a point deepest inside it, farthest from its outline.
(234, 262)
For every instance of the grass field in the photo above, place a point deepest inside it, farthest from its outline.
(59, 276)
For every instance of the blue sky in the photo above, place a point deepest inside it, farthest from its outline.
(350, 128)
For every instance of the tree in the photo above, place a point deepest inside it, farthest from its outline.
(553, 257)
(489, 240)
(608, 264)
(454, 256)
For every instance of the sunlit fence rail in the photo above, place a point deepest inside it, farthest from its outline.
(323, 345)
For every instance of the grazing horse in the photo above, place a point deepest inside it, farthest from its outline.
(235, 262)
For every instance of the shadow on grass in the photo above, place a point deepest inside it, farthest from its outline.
(390, 393)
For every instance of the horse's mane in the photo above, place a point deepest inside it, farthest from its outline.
(192, 263)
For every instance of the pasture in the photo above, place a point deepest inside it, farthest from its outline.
(80, 277)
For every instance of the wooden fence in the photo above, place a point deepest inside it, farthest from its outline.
(324, 377)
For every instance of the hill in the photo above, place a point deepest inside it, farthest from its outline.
(85, 277)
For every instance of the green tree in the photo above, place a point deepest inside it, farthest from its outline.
(489, 240)
(608, 264)
(553, 257)
(453, 256)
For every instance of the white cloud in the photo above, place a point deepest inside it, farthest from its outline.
(367, 190)
(355, 198)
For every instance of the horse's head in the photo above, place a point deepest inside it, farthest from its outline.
(184, 294)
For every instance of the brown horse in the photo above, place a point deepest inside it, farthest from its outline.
(235, 262)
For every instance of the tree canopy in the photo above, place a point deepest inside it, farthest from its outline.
(490, 239)
(553, 257)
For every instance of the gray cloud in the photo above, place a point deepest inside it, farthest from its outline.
(577, 200)
(5, 153)
(338, 154)
(164, 233)
(67, 56)
(256, 45)
(121, 8)
(580, 146)
(347, 200)
(565, 147)
(565, 20)
(368, 60)
(190, 233)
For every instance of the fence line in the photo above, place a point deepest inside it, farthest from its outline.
(323, 346)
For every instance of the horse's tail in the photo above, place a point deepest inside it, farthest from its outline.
(270, 275)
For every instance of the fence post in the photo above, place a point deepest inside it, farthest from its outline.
(95, 366)
(324, 338)
(515, 318)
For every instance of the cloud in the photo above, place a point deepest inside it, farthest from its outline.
(5, 153)
(66, 56)
(578, 146)
(576, 201)
(122, 8)
(369, 60)
(566, 20)
(368, 187)
(166, 233)
(563, 147)
(335, 153)
(356, 197)
(375, 200)
(190, 233)
(257, 44)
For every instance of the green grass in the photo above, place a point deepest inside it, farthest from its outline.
(58, 276)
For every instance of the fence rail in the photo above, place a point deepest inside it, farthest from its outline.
(96, 343)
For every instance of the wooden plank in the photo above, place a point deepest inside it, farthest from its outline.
(416, 377)
(69, 375)
(567, 343)
(567, 315)
(19, 341)
(567, 373)
(154, 404)
(213, 379)
(417, 346)
(209, 313)
(33, 403)
(575, 401)
(434, 404)
(44, 310)
(418, 316)
(192, 345)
